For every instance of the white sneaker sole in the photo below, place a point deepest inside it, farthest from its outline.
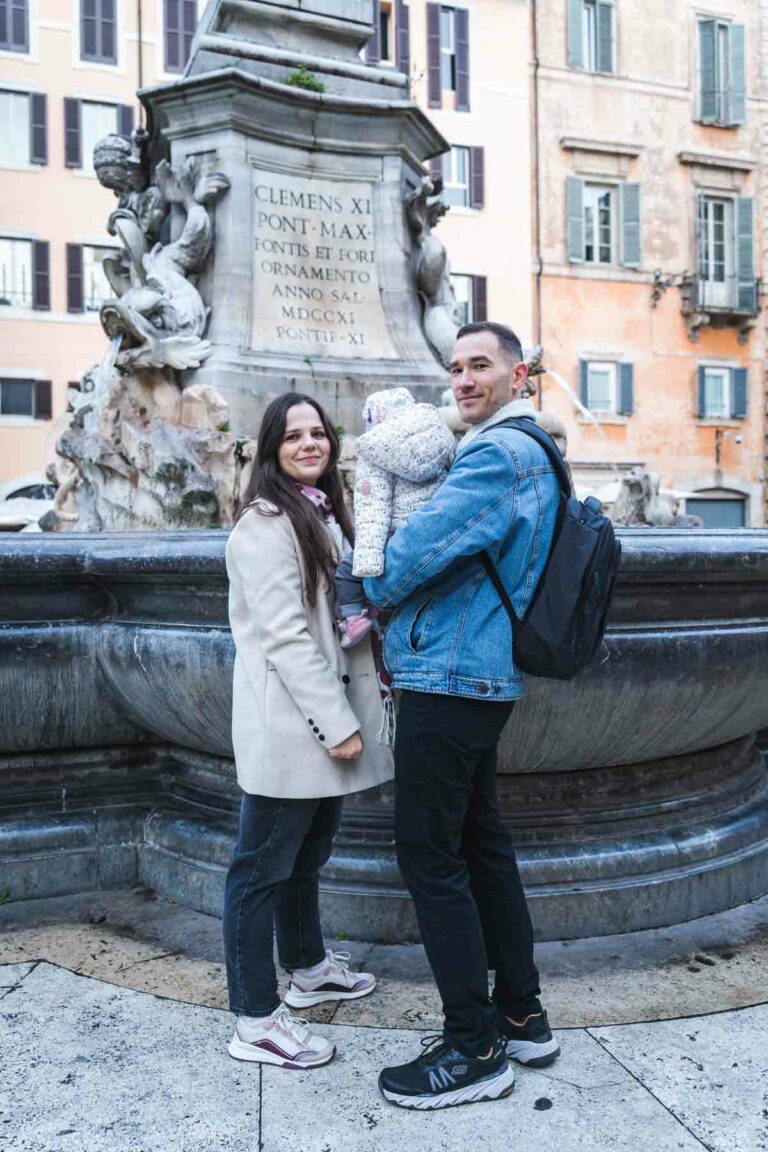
(481, 1090)
(239, 1050)
(295, 998)
(531, 1054)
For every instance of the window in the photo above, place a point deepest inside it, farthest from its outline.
(725, 232)
(722, 78)
(16, 279)
(391, 39)
(607, 387)
(471, 294)
(722, 392)
(14, 127)
(448, 54)
(96, 122)
(603, 223)
(26, 398)
(718, 512)
(96, 287)
(98, 39)
(14, 25)
(180, 23)
(456, 177)
(590, 35)
(386, 39)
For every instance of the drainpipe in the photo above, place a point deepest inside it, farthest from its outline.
(140, 50)
(536, 187)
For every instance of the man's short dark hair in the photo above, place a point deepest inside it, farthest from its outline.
(508, 341)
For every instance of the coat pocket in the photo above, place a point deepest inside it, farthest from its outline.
(417, 633)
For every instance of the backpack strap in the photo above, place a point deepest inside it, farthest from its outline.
(501, 590)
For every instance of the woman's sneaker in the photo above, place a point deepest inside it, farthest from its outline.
(443, 1077)
(280, 1039)
(531, 1042)
(335, 982)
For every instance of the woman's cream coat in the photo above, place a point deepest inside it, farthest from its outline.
(296, 693)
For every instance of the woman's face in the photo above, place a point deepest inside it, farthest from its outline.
(305, 450)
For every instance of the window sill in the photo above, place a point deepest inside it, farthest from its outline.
(19, 166)
(21, 422)
(462, 210)
(8, 312)
(720, 421)
(603, 418)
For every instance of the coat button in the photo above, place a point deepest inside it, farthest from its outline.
(345, 679)
(310, 722)
(483, 689)
(321, 737)
(315, 728)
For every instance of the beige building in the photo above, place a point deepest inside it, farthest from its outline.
(69, 71)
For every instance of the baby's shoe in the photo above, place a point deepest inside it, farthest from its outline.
(355, 628)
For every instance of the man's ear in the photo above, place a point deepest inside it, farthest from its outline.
(519, 377)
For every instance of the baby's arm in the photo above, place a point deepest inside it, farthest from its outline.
(373, 514)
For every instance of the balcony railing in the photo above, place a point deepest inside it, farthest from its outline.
(728, 295)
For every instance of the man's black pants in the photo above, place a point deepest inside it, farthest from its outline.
(458, 863)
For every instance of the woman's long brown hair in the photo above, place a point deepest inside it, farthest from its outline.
(269, 482)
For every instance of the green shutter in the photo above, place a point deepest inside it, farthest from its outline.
(584, 382)
(708, 95)
(576, 33)
(626, 389)
(736, 97)
(574, 189)
(701, 396)
(745, 265)
(604, 12)
(738, 393)
(630, 224)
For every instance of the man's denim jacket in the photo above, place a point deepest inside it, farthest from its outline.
(450, 632)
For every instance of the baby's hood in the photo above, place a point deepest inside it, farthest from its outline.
(414, 443)
(381, 406)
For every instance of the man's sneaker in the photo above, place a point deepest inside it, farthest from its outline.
(531, 1042)
(336, 983)
(443, 1077)
(282, 1039)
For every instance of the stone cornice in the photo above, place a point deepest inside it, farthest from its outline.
(718, 160)
(604, 147)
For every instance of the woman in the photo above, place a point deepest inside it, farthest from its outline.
(304, 722)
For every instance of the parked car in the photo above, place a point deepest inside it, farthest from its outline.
(23, 501)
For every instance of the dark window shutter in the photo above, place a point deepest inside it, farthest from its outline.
(701, 396)
(373, 47)
(43, 400)
(436, 166)
(172, 34)
(479, 298)
(14, 25)
(75, 296)
(73, 150)
(626, 389)
(5, 31)
(107, 30)
(708, 94)
(739, 393)
(574, 195)
(737, 85)
(604, 55)
(462, 59)
(89, 43)
(402, 37)
(125, 119)
(745, 259)
(584, 382)
(41, 275)
(629, 199)
(576, 33)
(38, 134)
(477, 177)
(189, 27)
(434, 84)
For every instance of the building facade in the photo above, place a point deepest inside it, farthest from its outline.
(649, 204)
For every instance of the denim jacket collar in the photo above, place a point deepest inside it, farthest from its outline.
(507, 412)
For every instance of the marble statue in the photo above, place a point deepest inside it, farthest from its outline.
(432, 272)
(640, 504)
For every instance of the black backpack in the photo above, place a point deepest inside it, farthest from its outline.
(564, 625)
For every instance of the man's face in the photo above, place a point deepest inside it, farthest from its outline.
(483, 377)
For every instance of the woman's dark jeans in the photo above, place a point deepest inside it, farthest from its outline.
(273, 882)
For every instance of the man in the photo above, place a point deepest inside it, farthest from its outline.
(449, 650)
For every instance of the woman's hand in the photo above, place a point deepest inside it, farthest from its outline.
(349, 749)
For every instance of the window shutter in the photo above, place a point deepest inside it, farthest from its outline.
(462, 59)
(89, 44)
(434, 84)
(373, 47)
(701, 395)
(604, 36)
(5, 31)
(107, 47)
(479, 298)
(745, 264)
(575, 219)
(576, 33)
(402, 37)
(38, 135)
(477, 177)
(584, 382)
(189, 27)
(708, 93)
(737, 87)
(14, 25)
(41, 276)
(125, 119)
(436, 166)
(43, 400)
(172, 35)
(739, 393)
(75, 296)
(73, 151)
(626, 389)
(630, 224)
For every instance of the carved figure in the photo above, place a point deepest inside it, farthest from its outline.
(432, 273)
(640, 504)
(157, 311)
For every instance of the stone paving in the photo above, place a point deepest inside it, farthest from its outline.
(90, 1064)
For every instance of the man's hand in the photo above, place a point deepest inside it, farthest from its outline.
(349, 749)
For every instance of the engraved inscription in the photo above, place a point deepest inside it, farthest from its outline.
(316, 291)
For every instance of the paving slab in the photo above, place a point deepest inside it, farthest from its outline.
(710, 1072)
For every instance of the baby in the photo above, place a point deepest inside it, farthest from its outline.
(402, 459)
